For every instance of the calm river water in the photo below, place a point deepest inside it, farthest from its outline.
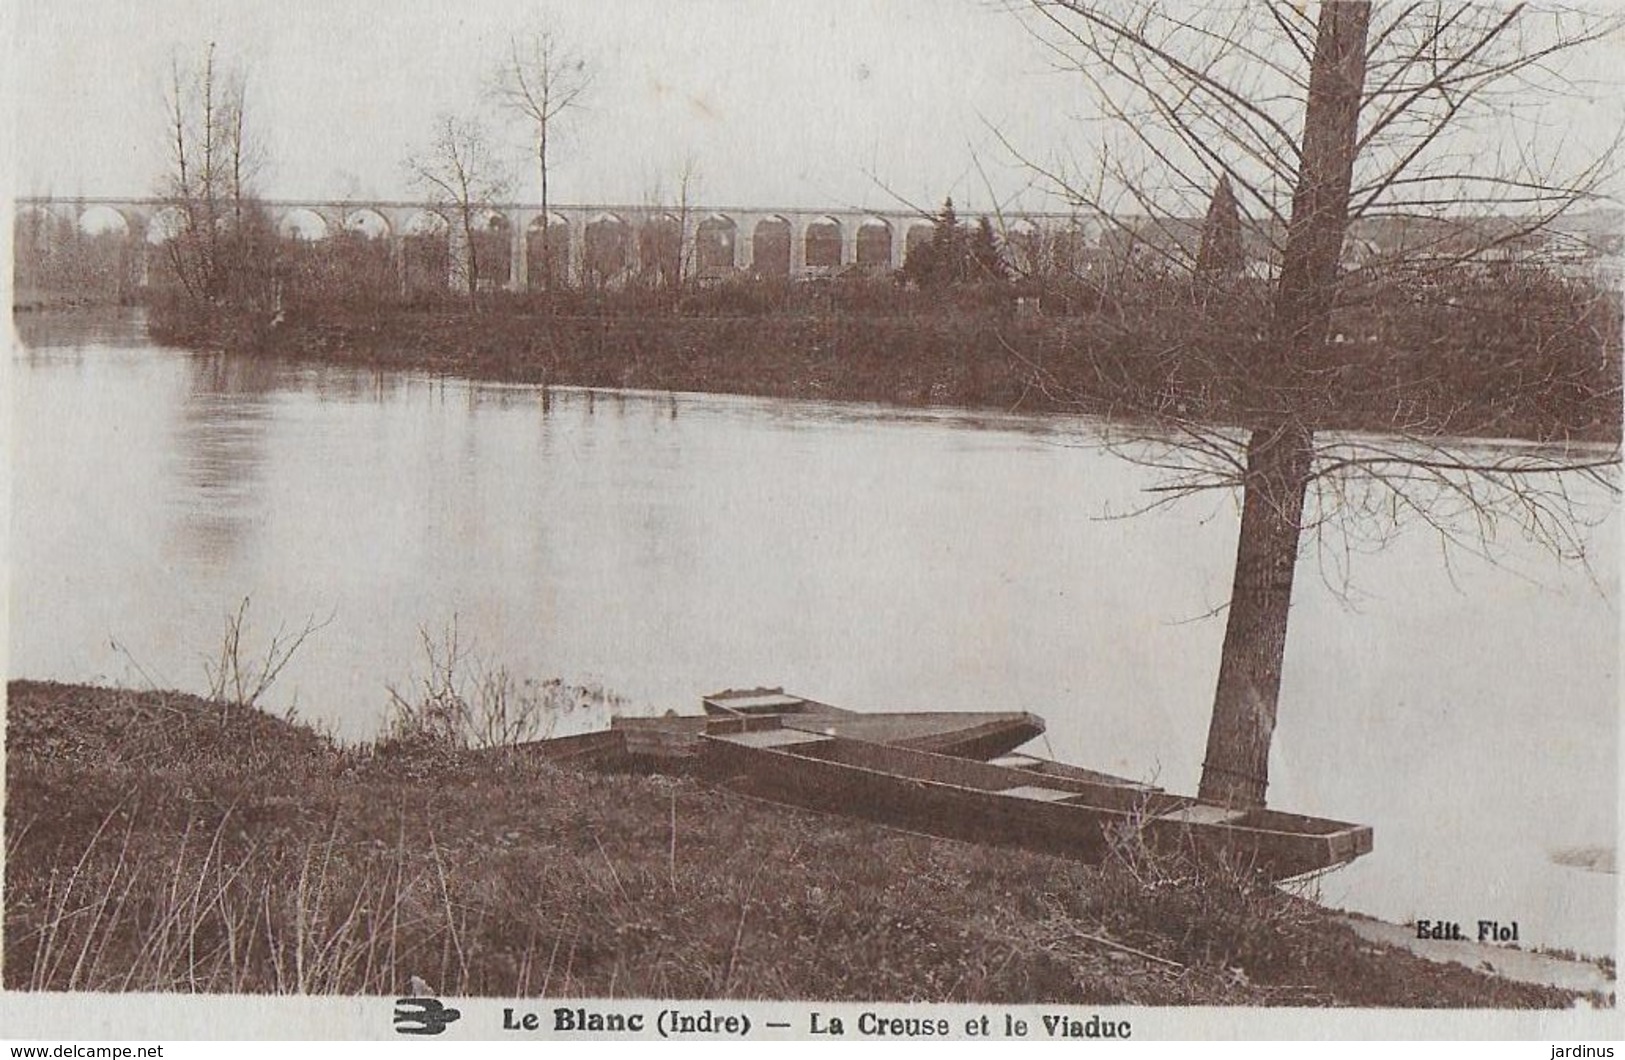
(670, 546)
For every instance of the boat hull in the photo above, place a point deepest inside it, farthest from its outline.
(972, 734)
(1070, 816)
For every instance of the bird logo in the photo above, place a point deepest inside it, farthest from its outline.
(422, 1013)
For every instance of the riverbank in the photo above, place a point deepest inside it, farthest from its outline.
(960, 359)
(156, 841)
(1533, 360)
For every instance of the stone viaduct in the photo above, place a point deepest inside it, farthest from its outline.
(600, 243)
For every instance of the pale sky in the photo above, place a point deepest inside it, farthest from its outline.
(792, 104)
(778, 103)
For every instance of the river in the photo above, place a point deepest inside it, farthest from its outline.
(667, 546)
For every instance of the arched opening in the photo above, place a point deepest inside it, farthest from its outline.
(919, 235)
(369, 224)
(86, 256)
(426, 253)
(165, 225)
(714, 244)
(305, 260)
(109, 261)
(40, 248)
(164, 248)
(874, 245)
(491, 256)
(823, 244)
(36, 232)
(37, 224)
(660, 250)
(306, 226)
(770, 248)
(104, 221)
(606, 244)
(1023, 247)
(547, 252)
(361, 263)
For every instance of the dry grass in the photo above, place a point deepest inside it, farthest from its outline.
(160, 842)
(462, 701)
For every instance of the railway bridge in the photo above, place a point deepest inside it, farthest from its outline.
(578, 243)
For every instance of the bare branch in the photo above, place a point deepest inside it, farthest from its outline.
(540, 81)
(460, 170)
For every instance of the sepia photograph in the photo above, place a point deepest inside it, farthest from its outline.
(1010, 519)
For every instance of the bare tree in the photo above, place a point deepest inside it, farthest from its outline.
(460, 171)
(667, 245)
(689, 180)
(212, 164)
(1316, 120)
(541, 81)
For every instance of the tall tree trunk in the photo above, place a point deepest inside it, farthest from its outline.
(471, 254)
(1280, 451)
(1236, 770)
(547, 223)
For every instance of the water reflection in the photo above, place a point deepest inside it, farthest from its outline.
(64, 330)
(219, 451)
(876, 558)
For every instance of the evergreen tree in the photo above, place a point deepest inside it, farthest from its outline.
(948, 246)
(1220, 253)
(956, 254)
(984, 254)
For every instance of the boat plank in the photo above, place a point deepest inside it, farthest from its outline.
(1200, 813)
(771, 738)
(1028, 791)
(773, 701)
(1015, 761)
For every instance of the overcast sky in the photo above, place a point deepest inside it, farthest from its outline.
(778, 103)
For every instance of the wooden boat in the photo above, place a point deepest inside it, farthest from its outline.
(604, 749)
(966, 734)
(1016, 800)
(764, 701)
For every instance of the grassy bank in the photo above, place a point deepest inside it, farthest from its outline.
(156, 841)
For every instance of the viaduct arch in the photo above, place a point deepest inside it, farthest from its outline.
(580, 244)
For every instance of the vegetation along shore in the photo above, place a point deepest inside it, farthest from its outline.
(153, 844)
(1518, 355)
